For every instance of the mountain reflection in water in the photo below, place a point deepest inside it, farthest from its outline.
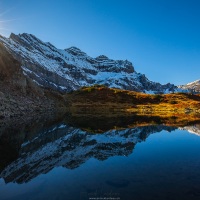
(31, 150)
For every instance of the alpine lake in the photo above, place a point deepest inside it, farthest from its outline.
(94, 157)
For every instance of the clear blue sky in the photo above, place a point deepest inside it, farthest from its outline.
(160, 37)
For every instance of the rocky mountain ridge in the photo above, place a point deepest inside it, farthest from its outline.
(71, 68)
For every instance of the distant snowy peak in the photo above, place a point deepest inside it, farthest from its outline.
(197, 82)
(193, 129)
(71, 68)
(193, 87)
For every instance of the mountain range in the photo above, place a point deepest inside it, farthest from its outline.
(69, 69)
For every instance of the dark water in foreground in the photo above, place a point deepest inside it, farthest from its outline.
(59, 161)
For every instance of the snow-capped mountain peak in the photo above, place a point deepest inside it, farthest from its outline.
(71, 68)
(194, 83)
(193, 87)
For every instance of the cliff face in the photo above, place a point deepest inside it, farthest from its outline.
(19, 95)
(10, 71)
(69, 69)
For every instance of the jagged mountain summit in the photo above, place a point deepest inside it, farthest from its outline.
(70, 69)
(193, 87)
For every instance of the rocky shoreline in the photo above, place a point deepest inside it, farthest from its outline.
(15, 106)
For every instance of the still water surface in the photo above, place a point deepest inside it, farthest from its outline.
(60, 162)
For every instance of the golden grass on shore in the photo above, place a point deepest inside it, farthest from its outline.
(103, 100)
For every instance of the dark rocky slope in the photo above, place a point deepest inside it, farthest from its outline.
(19, 95)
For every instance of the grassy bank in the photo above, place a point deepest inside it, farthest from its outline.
(106, 101)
